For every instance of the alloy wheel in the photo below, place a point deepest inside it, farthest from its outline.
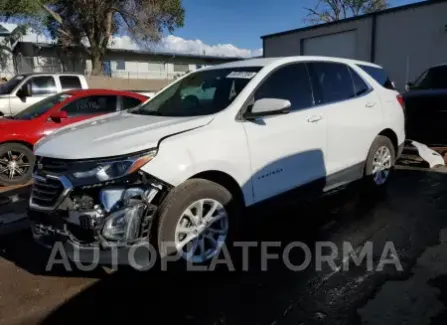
(14, 165)
(382, 163)
(201, 231)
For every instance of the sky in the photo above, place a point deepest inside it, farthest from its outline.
(226, 27)
(243, 22)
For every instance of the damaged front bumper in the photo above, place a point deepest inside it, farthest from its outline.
(109, 224)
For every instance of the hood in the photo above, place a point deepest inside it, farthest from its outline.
(113, 135)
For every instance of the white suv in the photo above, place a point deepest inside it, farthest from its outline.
(175, 170)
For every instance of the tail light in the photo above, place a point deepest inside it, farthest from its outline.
(401, 101)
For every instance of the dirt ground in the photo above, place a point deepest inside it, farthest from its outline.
(411, 214)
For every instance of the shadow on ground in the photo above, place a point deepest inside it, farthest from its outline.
(9, 195)
(220, 297)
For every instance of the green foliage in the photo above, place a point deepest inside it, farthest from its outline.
(97, 20)
(89, 24)
(22, 8)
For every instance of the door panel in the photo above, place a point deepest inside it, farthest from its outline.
(19, 104)
(354, 116)
(40, 86)
(288, 150)
(352, 126)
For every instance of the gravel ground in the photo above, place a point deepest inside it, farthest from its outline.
(411, 214)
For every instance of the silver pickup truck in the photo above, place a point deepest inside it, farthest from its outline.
(26, 89)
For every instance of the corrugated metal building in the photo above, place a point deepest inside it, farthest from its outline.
(404, 40)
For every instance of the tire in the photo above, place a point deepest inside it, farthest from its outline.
(372, 178)
(171, 214)
(23, 156)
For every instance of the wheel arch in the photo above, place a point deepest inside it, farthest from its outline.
(27, 144)
(224, 180)
(390, 134)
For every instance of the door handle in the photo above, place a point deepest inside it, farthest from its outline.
(314, 118)
(370, 104)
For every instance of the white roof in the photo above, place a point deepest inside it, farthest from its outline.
(289, 59)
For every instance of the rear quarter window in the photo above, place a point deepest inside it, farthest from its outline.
(379, 75)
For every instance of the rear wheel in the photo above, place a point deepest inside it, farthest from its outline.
(380, 162)
(16, 164)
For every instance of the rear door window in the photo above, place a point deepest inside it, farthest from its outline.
(332, 81)
(70, 82)
(92, 105)
(379, 75)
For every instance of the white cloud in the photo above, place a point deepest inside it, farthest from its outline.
(171, 44)
(174, 44)
(180, 45)
(31, 36)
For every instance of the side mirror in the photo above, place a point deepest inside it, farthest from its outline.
(267, 107)
(408, 86)
(2, 114)
(58, 116)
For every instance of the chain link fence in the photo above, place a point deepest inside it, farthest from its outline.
(25, 64)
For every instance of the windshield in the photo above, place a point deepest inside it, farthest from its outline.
(9, 86)
(41, 107)
(201, 93)
(433, 78)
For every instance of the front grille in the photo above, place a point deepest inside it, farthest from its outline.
(46, 191)
(51, 165)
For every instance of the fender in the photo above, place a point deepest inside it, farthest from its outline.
(195, 151)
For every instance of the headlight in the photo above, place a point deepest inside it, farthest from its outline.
(115, 169)
(124, 224)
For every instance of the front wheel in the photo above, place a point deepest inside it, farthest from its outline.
(194, 221)
(16, 164)
(380, 162)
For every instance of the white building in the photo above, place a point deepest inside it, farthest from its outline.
(404, 40)
(120, 63)
(6, 62)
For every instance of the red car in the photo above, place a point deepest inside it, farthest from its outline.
(20, 132)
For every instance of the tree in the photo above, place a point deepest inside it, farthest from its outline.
(7, 45)
(326, 11)
(89, 25)
(21, 8)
